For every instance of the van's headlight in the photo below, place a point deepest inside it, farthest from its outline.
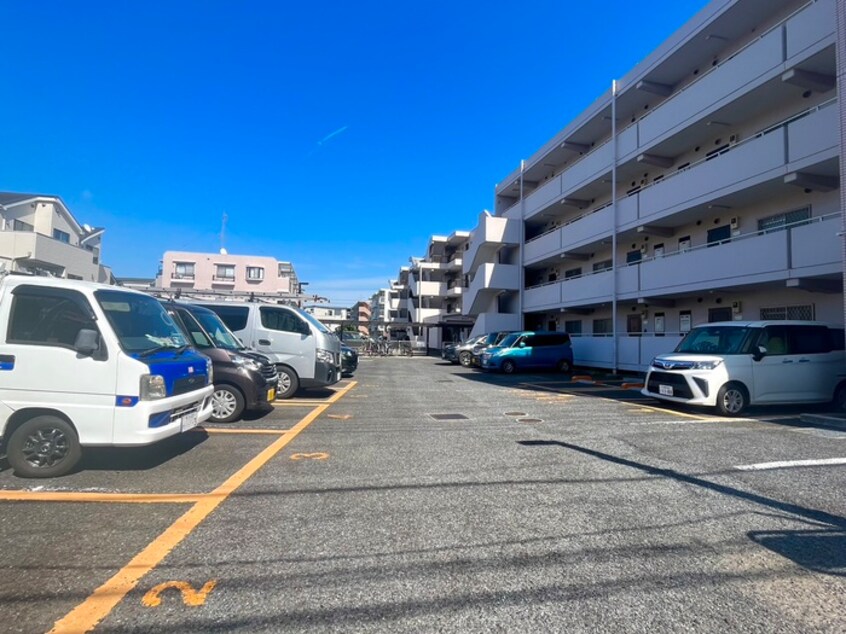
(210, 371)
(707, 365)
(324, 355)
(152, 387)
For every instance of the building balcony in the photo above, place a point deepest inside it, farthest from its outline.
(490, 280)
(43, 251)
(455, 291)
(490, 235)
(428, 289)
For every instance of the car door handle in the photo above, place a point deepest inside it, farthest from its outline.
(265, 342)
(804, 360)
(787, 360)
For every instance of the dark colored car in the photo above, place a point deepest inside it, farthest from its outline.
(352, 339)
(349, 360)
(243, 378)
(487, 341)
(448, 352)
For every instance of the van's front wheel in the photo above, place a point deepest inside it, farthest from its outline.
(43, 447)
(732, 399)
(289, 382)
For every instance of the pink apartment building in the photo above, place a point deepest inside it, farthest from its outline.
(229, 274)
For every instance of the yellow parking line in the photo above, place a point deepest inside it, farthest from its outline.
(298, 403)
(86, 616)
(218, 430)
(89, 496)
(674, 412)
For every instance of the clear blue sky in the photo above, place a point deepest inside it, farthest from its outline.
(338, 135)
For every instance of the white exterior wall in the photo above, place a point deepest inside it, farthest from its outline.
(710, 142)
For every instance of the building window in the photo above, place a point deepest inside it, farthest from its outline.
(569, 273)
(603, 327)
(804, 312)
(633, 256)
(719, 235)
(601, 266)
(684, 244)
(183, 271)
(573, 326)
(255, 273)
(20, 225)
(224, 272)
(779, 221)
(61, 236)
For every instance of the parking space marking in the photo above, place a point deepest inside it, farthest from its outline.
(787, 464)
(190, 597)
(298, 403)
(317, 455)
(83, 496)
(85, 616)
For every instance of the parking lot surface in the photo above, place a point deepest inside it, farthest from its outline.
(420, 496)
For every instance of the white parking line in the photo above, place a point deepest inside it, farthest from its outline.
(762, 466)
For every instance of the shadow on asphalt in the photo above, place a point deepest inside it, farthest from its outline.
(821, 550)
(140, 458)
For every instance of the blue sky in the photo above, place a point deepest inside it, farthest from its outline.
(337, 135)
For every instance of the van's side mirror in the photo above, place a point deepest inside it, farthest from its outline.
(522, 344)
(304, 329)
(759, 353)
(87, 342)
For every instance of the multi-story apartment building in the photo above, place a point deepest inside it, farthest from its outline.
(389, 308)
(703, 186)
(224, 274)
(361, 315)
(333, 317)
(39, 234)
(435, 290)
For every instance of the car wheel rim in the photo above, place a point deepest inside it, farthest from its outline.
(733, 401)
(223, 404)
(284, 382)
(46, 447)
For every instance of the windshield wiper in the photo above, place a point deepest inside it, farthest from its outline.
(178, 349)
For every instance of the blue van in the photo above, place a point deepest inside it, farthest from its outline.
(530, 350)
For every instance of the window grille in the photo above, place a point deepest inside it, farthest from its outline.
(803, 312)
(778, 221)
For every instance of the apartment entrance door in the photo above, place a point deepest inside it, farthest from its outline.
(634, 325)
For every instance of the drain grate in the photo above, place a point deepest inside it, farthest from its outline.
(529, 420)
(448, 416)
(515, 414)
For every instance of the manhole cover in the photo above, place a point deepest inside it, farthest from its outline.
(529, 420)
(448, 416)
(515, 414)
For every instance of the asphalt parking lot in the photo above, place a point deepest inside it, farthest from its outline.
(420, 496)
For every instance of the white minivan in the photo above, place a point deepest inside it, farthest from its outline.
(306, 353)
(731, 365)
(85, 364)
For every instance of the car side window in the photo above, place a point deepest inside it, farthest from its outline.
(235, 317)
(278, 319)
(810, 339)
(49, 318)
(532, 341)
(775, 340)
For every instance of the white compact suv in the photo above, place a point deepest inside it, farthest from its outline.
(731, 365)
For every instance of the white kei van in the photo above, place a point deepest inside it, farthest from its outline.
(87, 364)
(731, 365)
(306, 353)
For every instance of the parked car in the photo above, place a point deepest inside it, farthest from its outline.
(243, 379)
(306, 353)
(731, 365)
(349, 360)
(88, 364)
(488, 341)
(448, 352)
(353, 339)
(530, 350)
(464, 351)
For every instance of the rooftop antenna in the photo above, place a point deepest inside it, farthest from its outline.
(223, 233)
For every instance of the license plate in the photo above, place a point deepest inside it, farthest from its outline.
(271, 394)
(665, 390)
(189, 421)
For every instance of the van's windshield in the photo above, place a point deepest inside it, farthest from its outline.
(313, 321)
(716, 340)
(509, 341)
(140, 322)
